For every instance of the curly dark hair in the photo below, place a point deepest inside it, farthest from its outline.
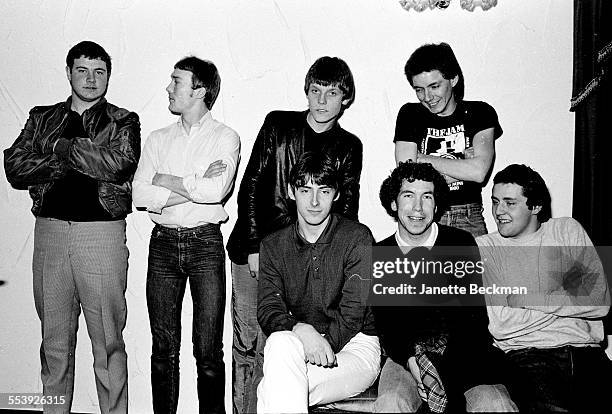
(412, 171)
(534, 187)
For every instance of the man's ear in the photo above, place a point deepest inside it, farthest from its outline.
(290, 192)
(200, 93)
(345, 102)
(337, 195)
(455, 80)
(535, 210)
(393, 205)
(68, 73)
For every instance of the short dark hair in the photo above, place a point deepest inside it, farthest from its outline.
(332, 71)
(412, 171)
(316, 166)
(440, 57)
(89, 50)
(534, 187)
(204, 73)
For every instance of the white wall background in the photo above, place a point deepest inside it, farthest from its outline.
(516, 56)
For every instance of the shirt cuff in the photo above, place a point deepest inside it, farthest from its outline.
(189, 182)
(160, 198)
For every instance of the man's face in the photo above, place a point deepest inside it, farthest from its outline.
(512, 216)
(181, 95)
(416, 207)
(88, 79)
(314, 203)
(435, 92)
(324, 105)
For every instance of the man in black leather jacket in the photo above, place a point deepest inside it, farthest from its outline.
(77, 159)
(264, 205)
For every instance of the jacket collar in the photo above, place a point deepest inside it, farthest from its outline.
(97, 107)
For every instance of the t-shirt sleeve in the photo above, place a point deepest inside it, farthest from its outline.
(406, 126)
(485, 117)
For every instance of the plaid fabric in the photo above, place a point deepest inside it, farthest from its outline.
(436, 396)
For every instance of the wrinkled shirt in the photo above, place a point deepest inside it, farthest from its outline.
(171, 150)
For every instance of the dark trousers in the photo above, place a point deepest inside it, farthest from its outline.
(567, 379)
(175, 256)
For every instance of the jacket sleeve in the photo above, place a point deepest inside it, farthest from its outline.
(349, 315)
(27, 164)
(351, 174)
(114, 163)
(272, 312)
(252, 181)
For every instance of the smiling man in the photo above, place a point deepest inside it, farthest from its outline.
(312, 291)
(552, 336)
(264, 205)
(438, 349)
(185, 175)
(77, 159)
(457, 137)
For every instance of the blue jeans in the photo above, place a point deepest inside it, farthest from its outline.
(466, 217)
(566, 379)
(175, 256)
(249, 341)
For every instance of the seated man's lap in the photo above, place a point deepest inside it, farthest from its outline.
(397, 392)
(560, 379)
(358, 367)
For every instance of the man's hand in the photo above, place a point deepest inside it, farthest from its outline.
(254, 265)
(215, 169)
(416, 373)
(317, 349)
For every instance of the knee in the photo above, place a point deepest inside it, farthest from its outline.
(165, 345)
(489, 398)
(283, 343)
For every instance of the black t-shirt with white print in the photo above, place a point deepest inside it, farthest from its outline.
(448, 137)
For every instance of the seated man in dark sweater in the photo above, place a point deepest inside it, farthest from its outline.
(439, 348)
(313, 288)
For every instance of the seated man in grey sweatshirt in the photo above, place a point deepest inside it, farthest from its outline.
(547, 295)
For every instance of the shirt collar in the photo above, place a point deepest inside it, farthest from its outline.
(431, 240)
(325, 237)
(205, 120)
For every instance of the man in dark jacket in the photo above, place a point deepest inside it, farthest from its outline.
(77, 159)
(264, 205)
(437, 340)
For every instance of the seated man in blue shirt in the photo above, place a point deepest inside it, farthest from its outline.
(311, 299)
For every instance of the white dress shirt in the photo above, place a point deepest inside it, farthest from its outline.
(171, 150)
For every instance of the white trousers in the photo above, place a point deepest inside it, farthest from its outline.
(291, 385)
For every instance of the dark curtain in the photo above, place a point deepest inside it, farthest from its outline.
(592, 103)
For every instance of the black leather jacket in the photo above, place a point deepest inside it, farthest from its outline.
(109, 153)
(264, 205)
